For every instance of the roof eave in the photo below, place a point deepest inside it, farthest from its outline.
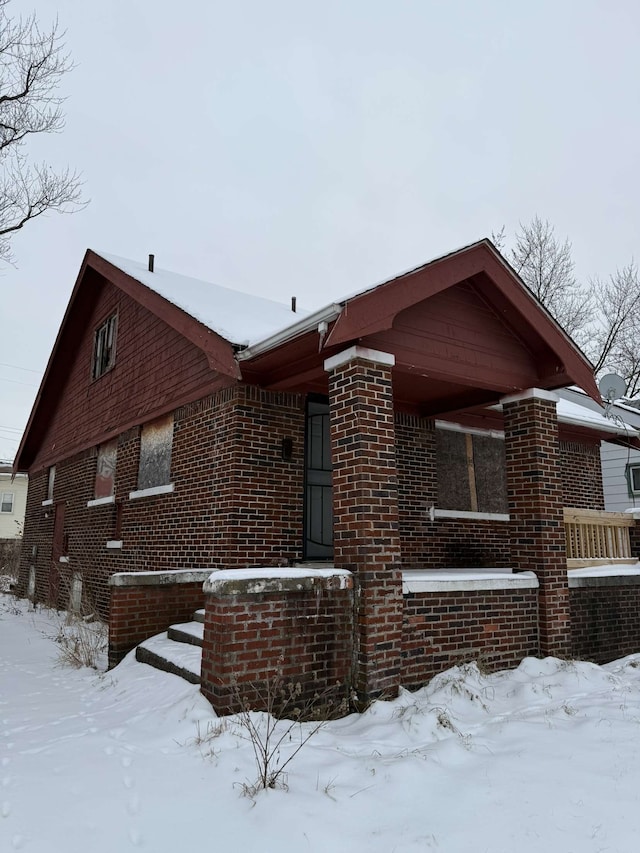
(306, 324)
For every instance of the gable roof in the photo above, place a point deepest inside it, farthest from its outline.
(249, 337)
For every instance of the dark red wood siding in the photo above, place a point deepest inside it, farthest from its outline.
(155, 369)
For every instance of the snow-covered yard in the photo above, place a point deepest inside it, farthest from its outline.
(542, 758)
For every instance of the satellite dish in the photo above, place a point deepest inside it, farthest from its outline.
(612, 387)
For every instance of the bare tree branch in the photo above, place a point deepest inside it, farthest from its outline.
(546, 267)
(616, 336)
(32, 65)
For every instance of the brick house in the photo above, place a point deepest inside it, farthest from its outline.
(407, 429)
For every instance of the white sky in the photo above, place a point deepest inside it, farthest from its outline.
(313, 148)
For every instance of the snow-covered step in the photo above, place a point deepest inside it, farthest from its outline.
(187, 632)
(183, 659)
(198, 616)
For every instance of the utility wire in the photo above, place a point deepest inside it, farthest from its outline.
(17, 367)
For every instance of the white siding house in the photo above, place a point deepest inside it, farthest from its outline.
(620, 465)
(13, 503)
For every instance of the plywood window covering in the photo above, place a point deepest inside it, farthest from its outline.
(471, 472)
(156, 440)
(104, 347)
(50, 482)
(6, 503)
(106, 470)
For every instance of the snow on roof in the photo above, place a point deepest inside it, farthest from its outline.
(240, 318)
(573, 413)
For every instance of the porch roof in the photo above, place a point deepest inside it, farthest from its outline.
(464, 329)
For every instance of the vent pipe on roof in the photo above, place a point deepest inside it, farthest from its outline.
(151, 260)
(293, 304)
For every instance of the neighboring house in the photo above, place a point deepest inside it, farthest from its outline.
(620, 462)
(181, 425)
(13, 502)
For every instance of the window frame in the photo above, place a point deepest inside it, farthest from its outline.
(3, 495)
(104, 346)
(631, 468)
(151, 440)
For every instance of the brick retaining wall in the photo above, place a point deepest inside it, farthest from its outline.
(442, 629)
(263, 630)
(605, 617)
(146, 603)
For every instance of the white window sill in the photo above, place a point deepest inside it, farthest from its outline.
(110, 499)
(472, 516)
(48, 502)
(154, 490)
(114, 544)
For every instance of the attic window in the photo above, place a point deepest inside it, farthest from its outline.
(104, 347)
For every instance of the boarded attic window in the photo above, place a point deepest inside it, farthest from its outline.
(104, 347)
(155, 453)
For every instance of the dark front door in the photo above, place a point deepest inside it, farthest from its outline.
(318, 522)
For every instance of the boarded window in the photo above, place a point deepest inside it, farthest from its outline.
(155, 453)
(104, 347)
(6, 502)
(50, 482)
(106, 470)
(471, 472)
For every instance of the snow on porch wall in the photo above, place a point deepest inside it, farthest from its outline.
(266, 626)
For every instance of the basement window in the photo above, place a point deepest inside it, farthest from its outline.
(104, 347)
(6, 502)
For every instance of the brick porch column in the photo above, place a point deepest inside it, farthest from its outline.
(535, 505)
(365, 510)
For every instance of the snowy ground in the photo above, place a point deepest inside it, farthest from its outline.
(542, 758)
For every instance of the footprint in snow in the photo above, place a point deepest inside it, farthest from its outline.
(133, 806)
(5, 809)
(135, 837)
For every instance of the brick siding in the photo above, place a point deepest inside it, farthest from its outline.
(253, 643)
(365, 506)
(605, 622)
(442, 629)
(138, 612)
(581, 474)
(535, 507)
(236, 501)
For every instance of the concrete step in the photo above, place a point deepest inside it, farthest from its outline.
(198, 616)
(187, 632)
(183, 659)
